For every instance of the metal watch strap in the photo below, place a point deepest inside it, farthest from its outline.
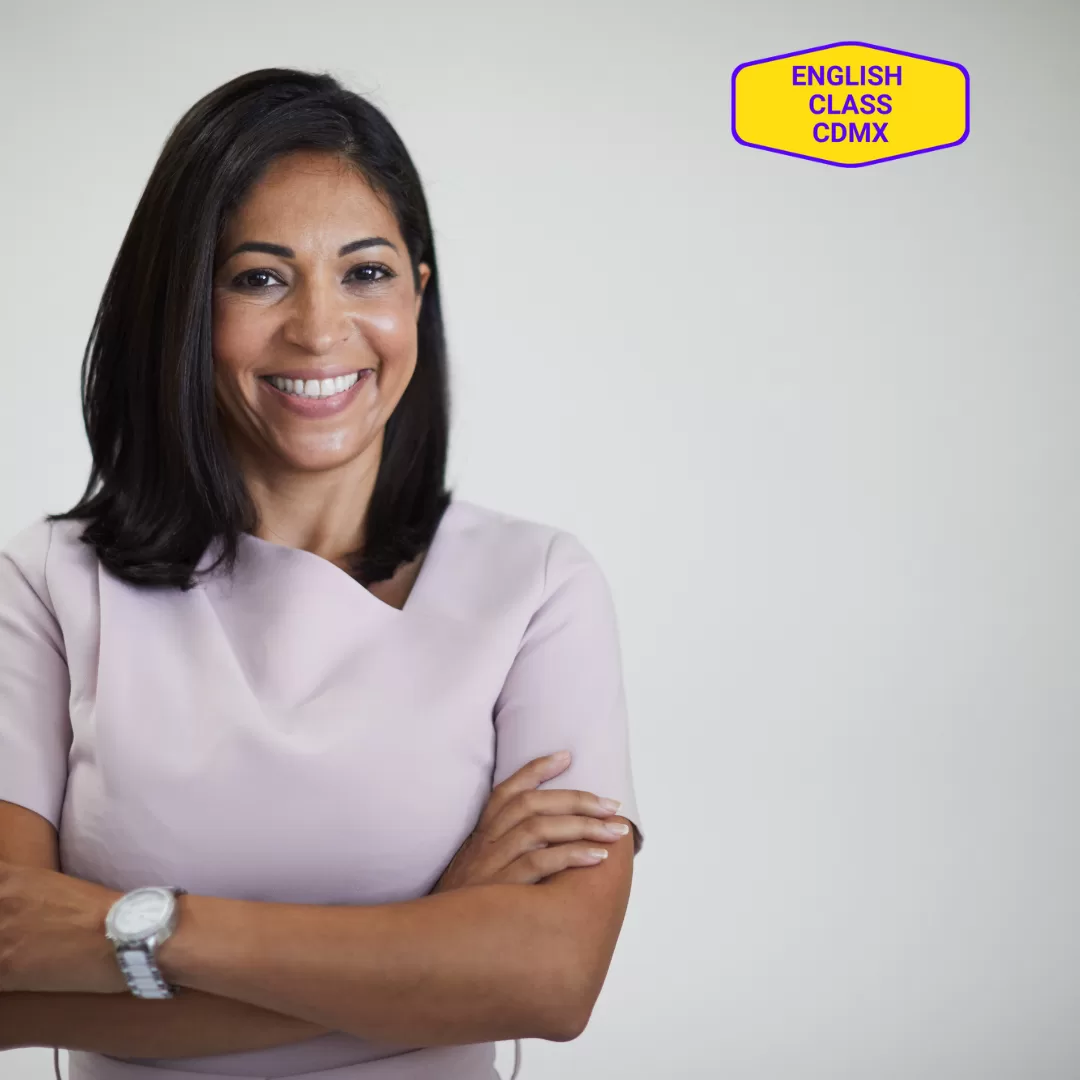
(137, 962)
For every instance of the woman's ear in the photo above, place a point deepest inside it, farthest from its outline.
(425, 274)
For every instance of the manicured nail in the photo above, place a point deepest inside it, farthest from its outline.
(610, 804)
(561, 758)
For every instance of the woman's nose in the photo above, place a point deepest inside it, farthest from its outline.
(319, 319)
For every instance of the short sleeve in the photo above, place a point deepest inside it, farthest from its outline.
(35, 728)
(565, 686)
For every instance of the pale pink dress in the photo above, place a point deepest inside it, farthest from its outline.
(284, 735)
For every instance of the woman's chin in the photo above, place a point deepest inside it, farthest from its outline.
(317, 459)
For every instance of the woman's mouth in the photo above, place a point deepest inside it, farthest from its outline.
(316, 388)
(317, 398)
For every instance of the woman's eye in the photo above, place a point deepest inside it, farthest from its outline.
(246, 280)
(386, 273)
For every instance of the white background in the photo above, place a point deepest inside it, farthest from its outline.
(819, 426)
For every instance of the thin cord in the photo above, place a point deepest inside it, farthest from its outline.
(56, 1062)
(517, 1059)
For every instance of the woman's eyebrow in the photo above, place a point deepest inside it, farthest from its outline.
(288, 253)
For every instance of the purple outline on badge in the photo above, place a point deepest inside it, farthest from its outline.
(857, 164)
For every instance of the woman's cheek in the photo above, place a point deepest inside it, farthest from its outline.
(236, 337)
(395, 345)
(387, 323)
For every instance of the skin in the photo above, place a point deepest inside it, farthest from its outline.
(312, 478)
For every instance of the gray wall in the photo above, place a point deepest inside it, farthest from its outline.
(818, 425)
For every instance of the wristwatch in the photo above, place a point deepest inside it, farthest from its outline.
(136, 925)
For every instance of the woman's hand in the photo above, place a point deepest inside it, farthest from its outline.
(525, 835)
(52, 933)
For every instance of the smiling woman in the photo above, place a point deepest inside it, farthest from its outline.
(269, 669)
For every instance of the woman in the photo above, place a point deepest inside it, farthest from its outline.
(268, 668)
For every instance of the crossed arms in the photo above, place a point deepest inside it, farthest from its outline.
(482, 963)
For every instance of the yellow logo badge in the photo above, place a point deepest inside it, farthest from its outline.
(850, 104)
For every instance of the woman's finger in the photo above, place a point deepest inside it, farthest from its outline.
(559, 802)
(527, 778)
(536, 865)
(540, 829)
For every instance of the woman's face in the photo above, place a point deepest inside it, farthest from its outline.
(314, 324)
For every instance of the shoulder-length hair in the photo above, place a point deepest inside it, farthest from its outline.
(162, 483)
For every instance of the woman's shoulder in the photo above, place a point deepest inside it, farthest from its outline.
(487, 527)
(499, 538)
(40, 536)
(43, 547)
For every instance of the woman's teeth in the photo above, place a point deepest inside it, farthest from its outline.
(314, 388)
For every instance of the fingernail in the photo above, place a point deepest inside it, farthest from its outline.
(610, 804)
(561, 758)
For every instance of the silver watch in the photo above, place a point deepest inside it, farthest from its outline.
(136, 925)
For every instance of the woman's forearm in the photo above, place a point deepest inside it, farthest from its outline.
(482, 963)
(191, 1024)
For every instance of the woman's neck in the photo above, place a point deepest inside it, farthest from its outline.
(321, 512)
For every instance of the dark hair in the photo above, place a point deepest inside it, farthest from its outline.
(163, 485)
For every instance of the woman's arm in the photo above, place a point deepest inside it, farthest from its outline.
(477, 964)
(191, 1024)
(481, 963)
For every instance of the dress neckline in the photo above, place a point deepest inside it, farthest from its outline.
(346, 580)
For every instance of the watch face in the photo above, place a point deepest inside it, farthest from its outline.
(141, 912)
